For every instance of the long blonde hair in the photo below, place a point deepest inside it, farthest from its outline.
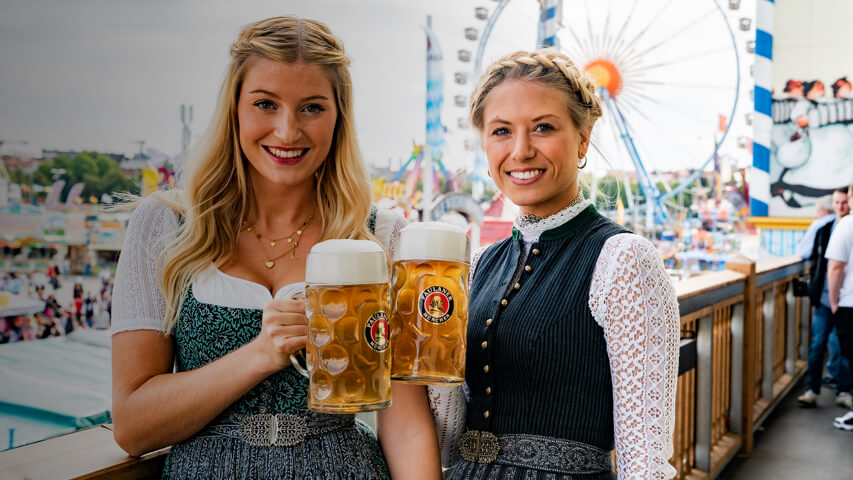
(549, 67)
(217, 196)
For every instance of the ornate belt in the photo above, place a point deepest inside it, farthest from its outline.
(281, 429)
(556, 455)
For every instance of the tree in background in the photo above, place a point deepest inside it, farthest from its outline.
(100, 174)
(610, 189)
(16, 175)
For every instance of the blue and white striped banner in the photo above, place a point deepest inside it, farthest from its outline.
(480, 178)
(434, 97)
(759, 185)
(548, 23)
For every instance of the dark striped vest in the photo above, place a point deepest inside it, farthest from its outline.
(538, 364)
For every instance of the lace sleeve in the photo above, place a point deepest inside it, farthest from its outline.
(448, 405)
(448, 410)
(634, 301)
(475, 258)
(388, 226)
(138, 302)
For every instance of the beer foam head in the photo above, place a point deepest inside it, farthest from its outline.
(433, 241)
(346, 262)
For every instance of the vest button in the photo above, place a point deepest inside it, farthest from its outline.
(488, 322)
(488, 390)
(486, 414)
(535, 251)
(486, 369)
(484, 345)
(527, 268)
(504, 302)
(516, 286)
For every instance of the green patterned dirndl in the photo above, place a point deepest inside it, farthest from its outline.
(269, 433)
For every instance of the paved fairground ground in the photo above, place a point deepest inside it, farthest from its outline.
(798, 444)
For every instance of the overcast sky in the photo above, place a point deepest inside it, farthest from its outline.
(101, 74)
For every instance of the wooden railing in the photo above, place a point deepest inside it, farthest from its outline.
(750, 336)
(87, 454)
(751, 348)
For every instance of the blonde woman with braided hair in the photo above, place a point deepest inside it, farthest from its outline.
(573, 324)
(208, 303)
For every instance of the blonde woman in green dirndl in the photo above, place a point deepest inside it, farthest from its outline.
(208, 300)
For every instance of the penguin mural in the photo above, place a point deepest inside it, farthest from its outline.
(811, 142)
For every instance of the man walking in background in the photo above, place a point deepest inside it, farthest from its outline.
(825, 214)
(805, 249)
(822, 325)
(839, 252)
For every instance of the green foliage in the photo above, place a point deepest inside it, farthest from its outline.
(100, 174)
(19, 176)
(684, 198)
(610, 189)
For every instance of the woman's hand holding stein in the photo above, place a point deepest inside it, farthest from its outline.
(284, 330)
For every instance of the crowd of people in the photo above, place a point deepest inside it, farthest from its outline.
(63, 311)
(828, 244)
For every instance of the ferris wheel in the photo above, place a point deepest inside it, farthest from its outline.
(669, 77)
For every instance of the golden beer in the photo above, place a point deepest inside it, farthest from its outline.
(430, 305)
(348, 352)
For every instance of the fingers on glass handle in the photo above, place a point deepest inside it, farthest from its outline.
(299, 363)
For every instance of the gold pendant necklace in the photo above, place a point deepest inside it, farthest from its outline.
(292, 239)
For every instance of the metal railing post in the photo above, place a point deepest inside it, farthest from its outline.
(736, 409)
(790, 331)
(768, 311)
(746, 346)
(704, 390)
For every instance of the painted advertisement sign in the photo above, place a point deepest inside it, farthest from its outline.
(811, 110)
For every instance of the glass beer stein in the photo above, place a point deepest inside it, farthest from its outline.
(429, 304)
(348, 357)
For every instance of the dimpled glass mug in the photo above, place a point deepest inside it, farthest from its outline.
(348, 357)
(429, 304)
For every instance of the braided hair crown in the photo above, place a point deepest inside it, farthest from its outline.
(547, 66)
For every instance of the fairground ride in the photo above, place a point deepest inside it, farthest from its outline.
(412, 170)
(668, 73)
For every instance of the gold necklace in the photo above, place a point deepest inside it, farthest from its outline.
(293, 239)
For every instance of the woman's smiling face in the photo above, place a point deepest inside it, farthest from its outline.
(286, 114)
(532, 145)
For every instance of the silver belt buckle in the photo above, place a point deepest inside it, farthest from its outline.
(266, 429)
(479, 446)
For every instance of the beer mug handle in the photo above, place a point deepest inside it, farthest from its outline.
(296, 291)
(299, 363)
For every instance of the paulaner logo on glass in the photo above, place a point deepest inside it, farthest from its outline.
(436, 304)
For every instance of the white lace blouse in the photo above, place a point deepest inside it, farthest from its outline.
(138, 302)
(633, 300)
